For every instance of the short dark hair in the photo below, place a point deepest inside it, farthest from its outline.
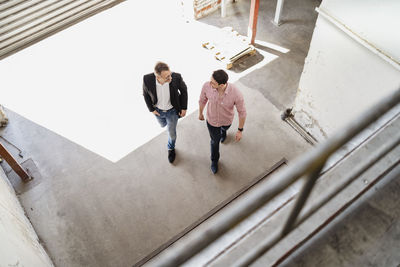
(220, 76)
(160, 66)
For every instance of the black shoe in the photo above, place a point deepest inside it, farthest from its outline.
(171, 155)
(223, 137)
(214, 166)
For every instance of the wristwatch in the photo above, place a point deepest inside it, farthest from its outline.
(240, 129)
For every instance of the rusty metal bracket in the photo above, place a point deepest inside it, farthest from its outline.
(23, 174)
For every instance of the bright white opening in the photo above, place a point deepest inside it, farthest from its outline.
(85, 83)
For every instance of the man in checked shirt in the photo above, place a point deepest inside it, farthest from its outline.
(221, 97)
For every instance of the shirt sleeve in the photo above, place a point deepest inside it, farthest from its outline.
(240, 106)
(203, 96)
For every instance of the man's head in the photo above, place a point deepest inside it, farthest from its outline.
(162, 72)
(219, 79)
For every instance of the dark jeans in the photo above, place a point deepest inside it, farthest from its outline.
(216, 134)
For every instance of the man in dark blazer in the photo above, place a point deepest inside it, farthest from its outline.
(166, 97)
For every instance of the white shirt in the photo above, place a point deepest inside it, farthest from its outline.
(163, 97)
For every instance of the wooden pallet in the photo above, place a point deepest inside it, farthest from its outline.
(3, 117)
(228, 46)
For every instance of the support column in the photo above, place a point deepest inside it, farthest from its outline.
(251, 32)
(223, 8)
(14, 164)
(278, 11)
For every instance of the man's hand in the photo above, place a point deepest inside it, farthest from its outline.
(156, 113)
(201, 117)
(238, 136)
(182, 113)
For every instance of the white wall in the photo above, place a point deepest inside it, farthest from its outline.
(19, 244)
(341, 76)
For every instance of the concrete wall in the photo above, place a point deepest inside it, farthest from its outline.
(19, 245)
(353, 62)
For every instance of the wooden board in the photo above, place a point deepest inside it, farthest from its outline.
(228, 46)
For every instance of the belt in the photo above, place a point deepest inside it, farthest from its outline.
(163, 110)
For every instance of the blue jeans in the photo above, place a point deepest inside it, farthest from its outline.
(216, 134)
(170, 119)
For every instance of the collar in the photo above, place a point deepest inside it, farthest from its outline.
(227, 89)
(157, 83)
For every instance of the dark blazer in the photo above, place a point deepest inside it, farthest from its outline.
(177, 91)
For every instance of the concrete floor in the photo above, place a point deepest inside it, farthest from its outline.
(91, 211)
(277, 81)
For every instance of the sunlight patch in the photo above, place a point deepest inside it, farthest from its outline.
(85, 84)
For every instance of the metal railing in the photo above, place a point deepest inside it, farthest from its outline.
(310, 165)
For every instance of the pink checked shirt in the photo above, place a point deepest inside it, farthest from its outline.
(220, 109)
